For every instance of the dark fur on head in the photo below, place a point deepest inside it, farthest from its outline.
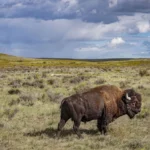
(134, 104)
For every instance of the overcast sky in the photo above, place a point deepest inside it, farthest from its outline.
(75, 28)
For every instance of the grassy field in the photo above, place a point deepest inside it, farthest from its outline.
(31, 91)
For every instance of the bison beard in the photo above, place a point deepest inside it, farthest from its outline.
(104, 104)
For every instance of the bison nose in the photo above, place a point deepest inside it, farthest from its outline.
(139, 110)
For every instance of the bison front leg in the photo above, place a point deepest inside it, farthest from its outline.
(102, 126)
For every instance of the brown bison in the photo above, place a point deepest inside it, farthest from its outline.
(104, 103)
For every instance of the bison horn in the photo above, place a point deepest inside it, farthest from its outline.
(127, 97)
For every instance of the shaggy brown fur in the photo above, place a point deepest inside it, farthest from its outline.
(104, 103)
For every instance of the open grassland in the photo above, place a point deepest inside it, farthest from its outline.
(7, 61)
(30, 95)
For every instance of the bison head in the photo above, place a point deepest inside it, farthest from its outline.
(132, 101)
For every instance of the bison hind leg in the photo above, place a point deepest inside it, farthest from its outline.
(61, 124)
(76, 127)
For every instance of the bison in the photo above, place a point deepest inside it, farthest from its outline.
(103, 103)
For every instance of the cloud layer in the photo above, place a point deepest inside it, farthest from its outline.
(93, 11)
(67, 28)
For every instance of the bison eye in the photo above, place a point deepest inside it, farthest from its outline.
(133, 104)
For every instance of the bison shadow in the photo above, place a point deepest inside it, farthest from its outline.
(51, 132)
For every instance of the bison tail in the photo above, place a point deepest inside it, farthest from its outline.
(62, 103)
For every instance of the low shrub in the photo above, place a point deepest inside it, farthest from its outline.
(54, 96)
(3, 76)
(13, 102)
(15, 83)
(36, 83)
(44, 74)
(36, 76)
(100, 81)
(27, 84)
(26, 99)
(14, 91)
(77, 79)
(29, 78)
(1, 125)
(65, 79)
(134, 145)
(141, 87)
(51, 81)
(10, 113)
(123, 84)
(143, 72)
(82, 88)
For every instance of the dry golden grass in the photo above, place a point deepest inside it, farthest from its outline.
(30, 98)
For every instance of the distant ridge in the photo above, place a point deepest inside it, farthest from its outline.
(9, 57)
(92, 60)
(2, 54)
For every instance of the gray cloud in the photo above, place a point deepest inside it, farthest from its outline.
(26, 30)
(126, 6)
(91, 11)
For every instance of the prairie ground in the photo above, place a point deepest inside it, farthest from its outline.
(30, 97)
